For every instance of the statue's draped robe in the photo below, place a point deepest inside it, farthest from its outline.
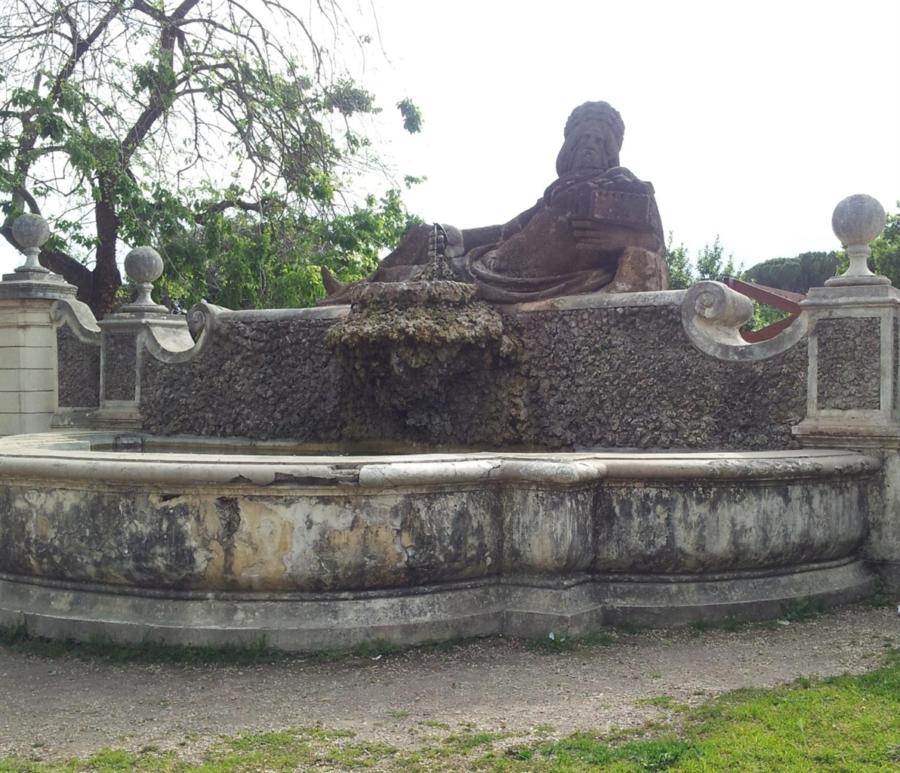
(550, 250)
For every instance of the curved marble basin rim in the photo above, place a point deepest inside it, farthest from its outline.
(71, 455)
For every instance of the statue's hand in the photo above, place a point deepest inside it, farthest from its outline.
(453, 246)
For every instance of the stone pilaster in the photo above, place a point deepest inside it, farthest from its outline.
(854, 340)
(853, 396)
(28, 373)
(123, 343)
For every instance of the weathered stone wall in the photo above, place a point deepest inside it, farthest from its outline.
(849, 363)
(78, 369)
(119, 366)
(614, 377)
(628, 377)
(273, 379)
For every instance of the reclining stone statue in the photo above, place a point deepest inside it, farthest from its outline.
(595, 228)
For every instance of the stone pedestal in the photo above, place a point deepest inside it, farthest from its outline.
(854, 357)
(125, 338)
(123, 351)
(853, 396)
(28, 373)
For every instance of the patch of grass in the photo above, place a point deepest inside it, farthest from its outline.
(701, 626)
(845, 723)
(582, 751)
(880, 600)
(547, 644)
(468, 741)
(376, 648)
(569, 643)
(662, 702)
(435, 724)
(597, 639)
(801, 611)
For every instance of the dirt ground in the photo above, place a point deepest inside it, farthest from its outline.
(52, 708)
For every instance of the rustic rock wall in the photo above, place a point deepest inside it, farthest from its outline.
(613, 377)
(266, 380)
(849, 363)
(119, 366)
(78, 370)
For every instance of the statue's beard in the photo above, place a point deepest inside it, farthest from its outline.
(590, 159)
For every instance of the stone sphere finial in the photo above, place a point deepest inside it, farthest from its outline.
(31, 232)
(857, 221)
(144, 266)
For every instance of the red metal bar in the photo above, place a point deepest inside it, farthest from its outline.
(771, 296)
(764, 334)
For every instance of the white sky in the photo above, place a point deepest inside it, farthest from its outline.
(752, 119)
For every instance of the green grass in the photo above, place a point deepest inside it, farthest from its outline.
(665, 702)
(846, 724)
(547, 645)
(801, 611)
(376, 648)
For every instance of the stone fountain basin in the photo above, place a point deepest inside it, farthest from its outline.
(319, 551)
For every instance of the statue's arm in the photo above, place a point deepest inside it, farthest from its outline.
(494, 234)
(479, 237)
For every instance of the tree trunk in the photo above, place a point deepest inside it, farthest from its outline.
(105, 278)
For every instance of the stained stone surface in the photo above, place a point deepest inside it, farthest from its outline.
(849, 352)
(119, 366)
(895, 332)
(79, 371)
(406, 346)
(616, 377)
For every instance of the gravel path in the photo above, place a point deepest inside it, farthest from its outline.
(53, 708)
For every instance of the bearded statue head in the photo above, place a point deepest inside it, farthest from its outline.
(593, 138)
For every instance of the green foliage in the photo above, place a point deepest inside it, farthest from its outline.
(681, 273)
(164, 121)
(412, 116)
(801, 611)
(886, 250)
(550, 644)
(763, 316)
(712, 263)
(797, 275)
(245, 260)
(809, 269)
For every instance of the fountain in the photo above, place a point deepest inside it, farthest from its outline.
(424, 463)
